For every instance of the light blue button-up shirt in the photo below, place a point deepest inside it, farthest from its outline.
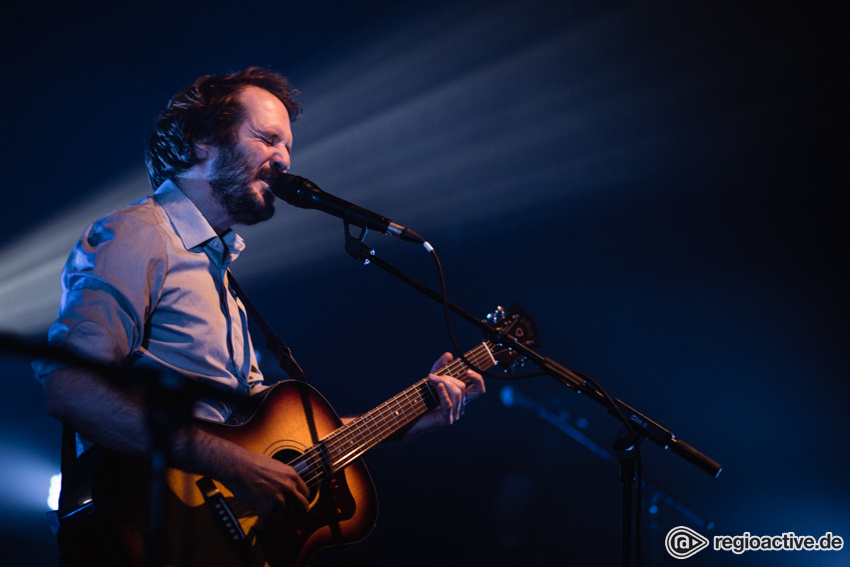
(149, 283)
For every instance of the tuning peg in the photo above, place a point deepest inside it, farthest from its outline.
(496, 316)
(517, 364)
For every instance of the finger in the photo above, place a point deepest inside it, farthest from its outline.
(475, 385)
(456, 390)
(457, 395)
(442, 361)
(445, 402)
(266, 512)
(302, 498)
(301, 491)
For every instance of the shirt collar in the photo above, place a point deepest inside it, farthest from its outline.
(189, 223)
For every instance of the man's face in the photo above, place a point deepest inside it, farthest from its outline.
(243, 170)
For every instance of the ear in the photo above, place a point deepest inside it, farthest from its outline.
(202, 151)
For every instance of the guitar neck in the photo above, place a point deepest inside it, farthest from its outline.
(351, 441)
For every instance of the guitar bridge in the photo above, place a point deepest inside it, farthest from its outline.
(226, 521)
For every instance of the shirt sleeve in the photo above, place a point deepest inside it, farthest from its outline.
(110, 284)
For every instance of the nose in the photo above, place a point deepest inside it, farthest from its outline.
(280, 161)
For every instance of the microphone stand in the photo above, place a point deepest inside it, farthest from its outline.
(637, 426)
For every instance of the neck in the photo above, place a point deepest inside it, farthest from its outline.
(198, 191)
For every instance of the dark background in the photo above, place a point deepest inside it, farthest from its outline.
(659, 184)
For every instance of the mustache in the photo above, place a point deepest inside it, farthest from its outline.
(268, 174)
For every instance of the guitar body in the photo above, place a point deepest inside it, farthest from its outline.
(200, 513)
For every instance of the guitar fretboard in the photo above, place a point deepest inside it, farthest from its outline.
(344, 445)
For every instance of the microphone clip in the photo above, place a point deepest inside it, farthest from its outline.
(355, 246)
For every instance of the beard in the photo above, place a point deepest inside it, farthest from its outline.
(231, 178)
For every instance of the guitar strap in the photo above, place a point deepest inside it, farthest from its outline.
(282, 352)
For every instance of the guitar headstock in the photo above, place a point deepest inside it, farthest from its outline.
(518, 325)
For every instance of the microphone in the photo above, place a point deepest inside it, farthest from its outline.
(303, 193)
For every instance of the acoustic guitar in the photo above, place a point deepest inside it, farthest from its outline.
(104, 509)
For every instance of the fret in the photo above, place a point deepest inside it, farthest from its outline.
(398, 412)
(387, 426)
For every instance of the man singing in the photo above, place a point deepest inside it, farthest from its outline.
(149, 285)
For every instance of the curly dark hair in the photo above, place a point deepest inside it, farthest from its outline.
(207, 112)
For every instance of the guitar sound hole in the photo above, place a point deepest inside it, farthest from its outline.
(287, 456)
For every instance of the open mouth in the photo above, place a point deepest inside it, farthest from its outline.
(267, 177)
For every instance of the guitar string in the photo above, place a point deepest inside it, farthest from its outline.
(332, 445)
(370, 420)
(354, 429)
(409, 404)
(408, 409)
